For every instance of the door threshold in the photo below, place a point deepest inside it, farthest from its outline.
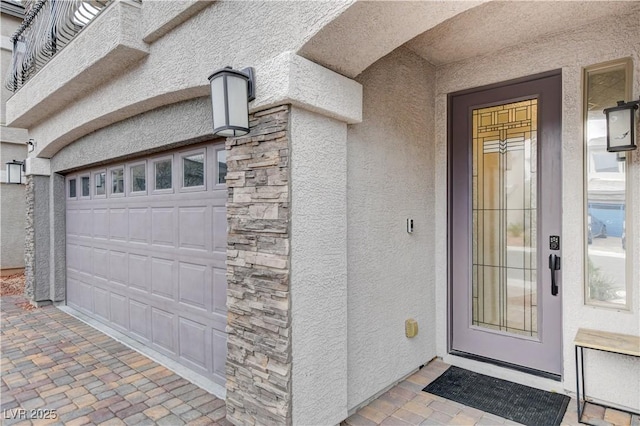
(545, 374)
(506, 371)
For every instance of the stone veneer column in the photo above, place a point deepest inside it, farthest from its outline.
(258, 297)
(37, 239)
(29, 240)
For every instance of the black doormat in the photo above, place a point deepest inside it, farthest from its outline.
(512, 401)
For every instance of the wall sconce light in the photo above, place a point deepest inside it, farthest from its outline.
(621, 126)
(231, 92)
(31, 145)
(14, 171)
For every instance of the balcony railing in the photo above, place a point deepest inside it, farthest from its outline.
(48, 26)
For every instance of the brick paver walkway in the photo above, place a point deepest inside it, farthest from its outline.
(55, 365)
(406, 404)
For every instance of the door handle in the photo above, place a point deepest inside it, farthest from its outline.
(554, 265)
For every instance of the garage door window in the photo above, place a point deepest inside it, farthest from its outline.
(117, 181)
(72, 188)
(193, 170)
(138, 178)
(162, 170)
(222, 167)
(85, 185)
(99, 180)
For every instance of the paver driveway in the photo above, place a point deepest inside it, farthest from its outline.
(54, 365)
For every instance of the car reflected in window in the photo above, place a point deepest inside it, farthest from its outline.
(596, 228)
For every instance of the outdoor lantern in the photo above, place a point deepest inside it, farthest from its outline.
(14, 171)
(621, 126)
(231, 92)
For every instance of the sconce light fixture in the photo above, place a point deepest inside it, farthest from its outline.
(14, 171)
(31, 145)
(231, 92)
(621, 126)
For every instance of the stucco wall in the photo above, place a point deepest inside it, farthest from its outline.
(13, 224)
(12, 211)
(390, 179)
(159, 129)
(9, 25)
(318, 268)
(177, 66)
(12, 147)
(602, 41)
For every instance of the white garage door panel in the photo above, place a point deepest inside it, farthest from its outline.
(153, 265)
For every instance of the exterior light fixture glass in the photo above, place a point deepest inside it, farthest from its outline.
(14, 171)
(231, 92)
(31, 145)
(621, 126)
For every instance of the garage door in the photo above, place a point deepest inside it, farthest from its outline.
(146, 250)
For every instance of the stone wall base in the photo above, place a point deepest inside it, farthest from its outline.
(258, 296)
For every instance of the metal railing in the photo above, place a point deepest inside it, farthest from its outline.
(48, 26)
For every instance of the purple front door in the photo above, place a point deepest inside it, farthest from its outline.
(505, 223)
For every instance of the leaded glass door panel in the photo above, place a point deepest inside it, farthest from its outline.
(504, 195)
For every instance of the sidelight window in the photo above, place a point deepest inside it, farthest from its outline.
(607, 263)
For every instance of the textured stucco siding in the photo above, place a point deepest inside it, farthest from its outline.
(178, 64)
(9, 25)
(104, 48)
(369, 30)
(159, 129)
(58, 238)
(158, 18)
(13, 226)
(391, 179)
(602, 41)
(318, 268)
(12, 211)
(12, 147)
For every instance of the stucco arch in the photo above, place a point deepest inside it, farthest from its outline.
(443, 32)
(367, 31)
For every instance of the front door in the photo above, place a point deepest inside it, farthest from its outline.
(505, 222)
